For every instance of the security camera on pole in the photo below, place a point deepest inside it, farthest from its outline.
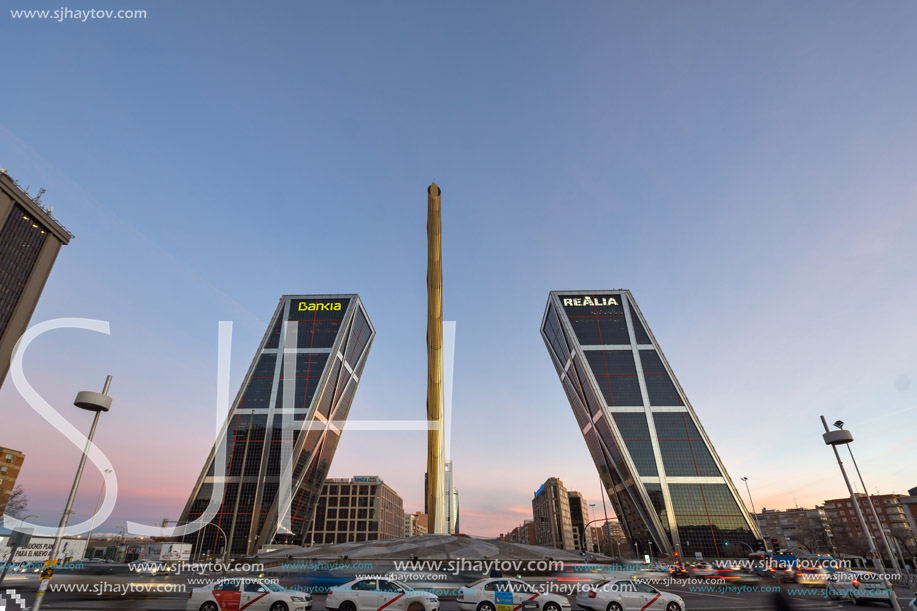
(842, 437)
(93, 402)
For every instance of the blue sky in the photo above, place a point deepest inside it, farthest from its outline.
(747, 170)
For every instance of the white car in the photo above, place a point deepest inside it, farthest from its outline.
(627, 595)
(249, 594)
(702, 570)
(153, 568)
(858, 586)
(377, 593)
(502, 594)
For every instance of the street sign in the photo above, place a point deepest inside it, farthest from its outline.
(48, 569)
(698, 555)
(20, 538)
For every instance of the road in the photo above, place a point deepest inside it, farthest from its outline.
(105, 592)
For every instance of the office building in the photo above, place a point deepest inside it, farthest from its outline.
(665, 481)
(579, 519)
(451, 497)
(362, 508)
(551, 513)
(30, 239)
(10, 464)
(285, 421)
(808, 529)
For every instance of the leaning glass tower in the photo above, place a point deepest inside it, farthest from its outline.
(668, 487)
(263, 484)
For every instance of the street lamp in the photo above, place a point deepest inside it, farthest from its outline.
(93, 402)
(843, 437)
(225, 546)
(98, 502)
(754, 514)
(888, 548)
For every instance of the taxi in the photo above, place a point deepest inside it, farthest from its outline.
(378, 593)
(507, 595)
(247, 594)
(627, 595)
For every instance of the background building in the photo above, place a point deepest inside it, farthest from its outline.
(849, 533)
(909, 504)
(524, 533)
(413, 527)
(551, 513)
(579, 518)
(608, 538)
(792, 528)
(451, 497)
(362, 508)
(30, 239)
(665, 481)
(10, 464)
(324, 340)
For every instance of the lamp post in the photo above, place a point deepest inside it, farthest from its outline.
(225, 546)
(92, 524)
(93, 402)
(754, 514)
(842, 437)
(888, 548)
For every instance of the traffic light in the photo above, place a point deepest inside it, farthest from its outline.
(726, 543)
(775, 545)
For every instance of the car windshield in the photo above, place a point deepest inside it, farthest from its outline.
(273, 587)
(869, 577)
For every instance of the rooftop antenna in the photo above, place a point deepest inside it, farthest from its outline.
(37, 199)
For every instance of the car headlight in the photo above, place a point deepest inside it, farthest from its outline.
(298, 599)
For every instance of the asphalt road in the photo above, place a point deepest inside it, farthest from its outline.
(102, 592)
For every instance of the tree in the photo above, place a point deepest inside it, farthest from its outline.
(813, 538)
(18, 503)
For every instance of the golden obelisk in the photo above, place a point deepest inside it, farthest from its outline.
(436, 461)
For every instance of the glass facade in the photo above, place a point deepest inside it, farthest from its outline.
(288, 414)
(663, 477)
(21, 239)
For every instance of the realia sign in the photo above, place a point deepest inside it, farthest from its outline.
(590, 301)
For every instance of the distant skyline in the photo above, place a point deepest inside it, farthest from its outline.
(747, 170)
